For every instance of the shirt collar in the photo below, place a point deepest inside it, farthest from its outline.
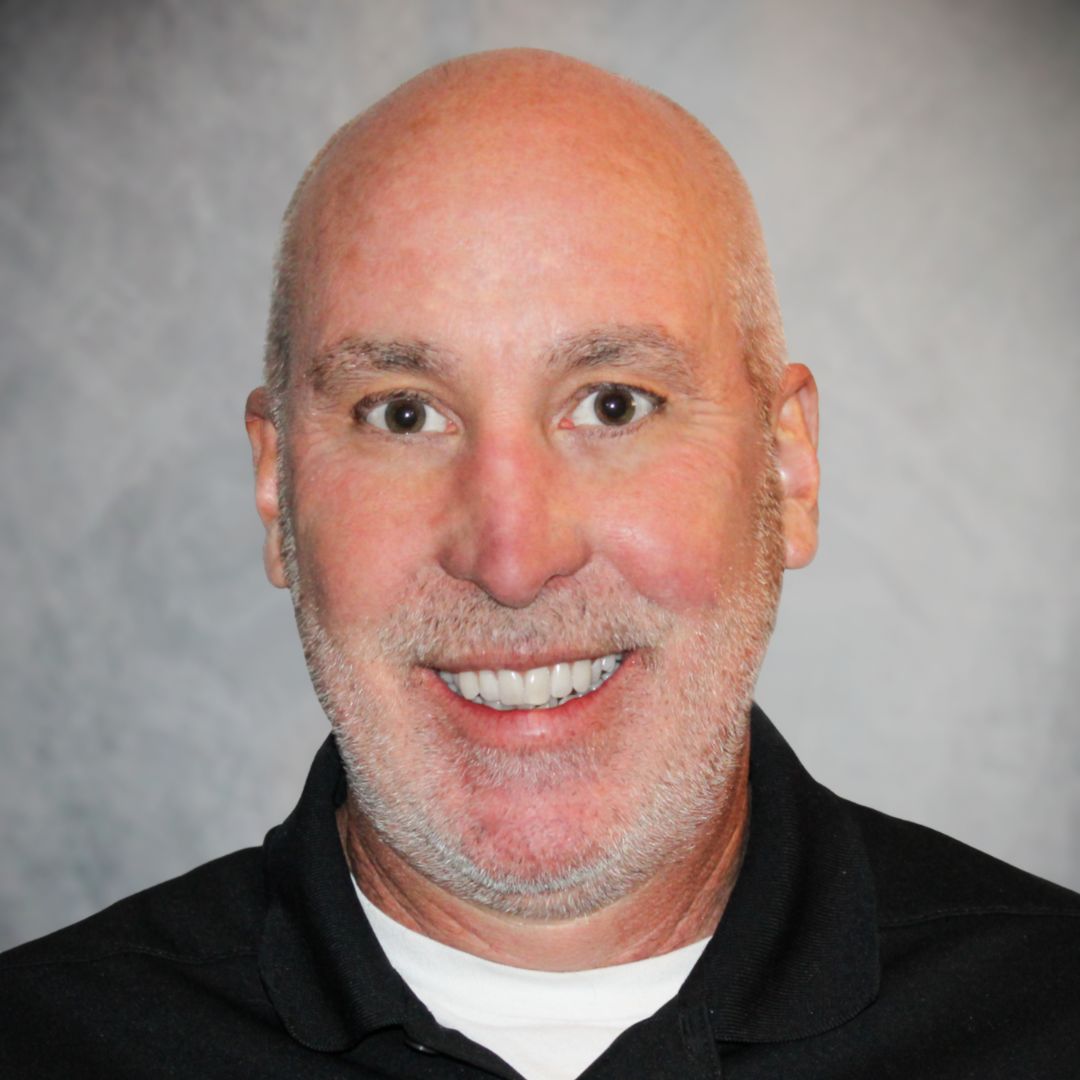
(318, 958)
(796, 952)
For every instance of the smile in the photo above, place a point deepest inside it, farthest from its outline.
(537, 688)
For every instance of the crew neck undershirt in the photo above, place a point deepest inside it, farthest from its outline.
(549, 1025)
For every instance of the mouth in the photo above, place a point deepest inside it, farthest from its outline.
(538, 688)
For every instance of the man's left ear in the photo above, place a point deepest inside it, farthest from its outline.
(795, 433)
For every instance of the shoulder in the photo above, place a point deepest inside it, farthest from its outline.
(213, 910)
(922, 875)
(972, 949)
(976, 956)
(116, 993)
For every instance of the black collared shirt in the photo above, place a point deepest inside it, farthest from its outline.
(854, 945)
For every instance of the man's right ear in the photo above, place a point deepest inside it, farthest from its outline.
(263, 436)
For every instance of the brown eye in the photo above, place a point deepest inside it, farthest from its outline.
(403, 416)
(613, 406)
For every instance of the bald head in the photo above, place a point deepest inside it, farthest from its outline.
(486, 141)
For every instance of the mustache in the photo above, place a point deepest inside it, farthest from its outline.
(586, 615)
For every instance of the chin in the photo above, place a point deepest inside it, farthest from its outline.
(550, 869)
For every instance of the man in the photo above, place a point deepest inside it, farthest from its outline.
(531, 462)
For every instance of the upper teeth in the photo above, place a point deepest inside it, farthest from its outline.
(537, 688)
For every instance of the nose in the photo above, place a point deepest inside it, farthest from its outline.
(513, 525)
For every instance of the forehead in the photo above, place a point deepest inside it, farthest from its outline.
(469, 240)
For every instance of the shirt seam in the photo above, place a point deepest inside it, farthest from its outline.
(157, 954)
(982, 909)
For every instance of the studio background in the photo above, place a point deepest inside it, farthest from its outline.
(916, 167)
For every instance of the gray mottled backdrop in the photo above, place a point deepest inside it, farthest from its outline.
(917, 167)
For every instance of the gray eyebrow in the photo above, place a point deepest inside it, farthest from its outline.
(650, 347)
(627, 346)
(356, 356)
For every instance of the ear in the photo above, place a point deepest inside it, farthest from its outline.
(795, 434)
(263, 436)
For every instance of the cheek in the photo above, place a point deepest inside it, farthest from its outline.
(361, 540)
(683, 541)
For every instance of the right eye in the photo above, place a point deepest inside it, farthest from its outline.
(405, 414)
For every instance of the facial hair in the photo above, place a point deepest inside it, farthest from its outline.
(678, 774)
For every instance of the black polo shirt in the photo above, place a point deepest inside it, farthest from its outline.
(854, 945)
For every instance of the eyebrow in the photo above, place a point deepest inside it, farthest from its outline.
(355, 357)
(648, 347)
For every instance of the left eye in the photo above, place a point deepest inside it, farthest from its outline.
(613, 406)
(404, 416)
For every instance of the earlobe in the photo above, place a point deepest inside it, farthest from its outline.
(796, 436)
(263, 437)
(273, 563)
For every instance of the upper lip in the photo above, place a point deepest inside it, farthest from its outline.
(505, 661)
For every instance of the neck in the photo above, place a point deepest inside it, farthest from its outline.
(680, 904)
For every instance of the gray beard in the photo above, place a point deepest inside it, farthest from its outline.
(680, 799)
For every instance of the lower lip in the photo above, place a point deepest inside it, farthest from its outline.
(521, 729)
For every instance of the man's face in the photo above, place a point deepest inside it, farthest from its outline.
(521, 439)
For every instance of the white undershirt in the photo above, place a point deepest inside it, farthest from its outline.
(549, 1025)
